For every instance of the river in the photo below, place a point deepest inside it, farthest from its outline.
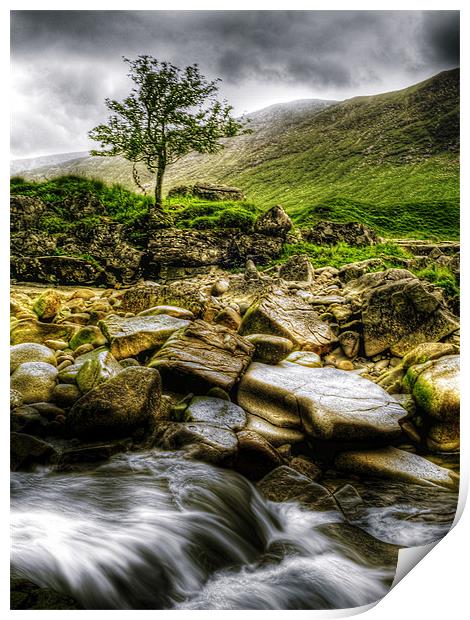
(153, 530)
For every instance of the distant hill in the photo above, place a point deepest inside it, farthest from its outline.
(368, 158)
(20, 166)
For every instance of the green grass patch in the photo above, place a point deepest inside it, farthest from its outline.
(189, 212)
(341, 254)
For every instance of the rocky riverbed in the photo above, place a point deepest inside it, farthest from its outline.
(254, 440)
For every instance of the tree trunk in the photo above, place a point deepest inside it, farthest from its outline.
(159, 186)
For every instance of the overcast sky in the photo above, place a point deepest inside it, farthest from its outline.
(64, 63)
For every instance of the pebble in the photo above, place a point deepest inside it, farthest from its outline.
(56, 345)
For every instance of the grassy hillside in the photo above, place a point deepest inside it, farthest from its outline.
(390, 161)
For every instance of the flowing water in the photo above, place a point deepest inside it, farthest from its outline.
(153, 530)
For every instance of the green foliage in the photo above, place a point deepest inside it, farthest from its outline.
(341, 254)
(203, 214)
(169, 113)
(54, 224)
(442, 277)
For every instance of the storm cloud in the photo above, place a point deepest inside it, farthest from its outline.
(64, 63)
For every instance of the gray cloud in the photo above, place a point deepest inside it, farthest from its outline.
(64, 63)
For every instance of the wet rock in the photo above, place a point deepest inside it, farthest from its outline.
(270, 349)
(130, 336)
(398, 315)
(97, 369)
(359, 546)
(284, 484)
(87, 335)
(56, 345)
(175, 311)
(26, 419)
(117, 407)
(82, 349)
(185, 294)
(201, 441)
(349, 501)
(30, 352)
(16, 399)
(229, 318)
(303, 358)
(396, 464)
(276, 435)
(290, 317)
(66, 394)
(25, 594)
(306, 467)
(28, 330)
(48, 410)
(47, 305)
(256, 456)
(428, 351)
(274, 222)
(35, 381)
(328, 403)
(220, 287)
(436, 387)
(215, 411)
(107, 366)
(350, 343)
(392, 380)
(297, 268)
(201, 356)
(128, 361)
(27, 451)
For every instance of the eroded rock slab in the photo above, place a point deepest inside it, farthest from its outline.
(397, 465)
(130, 336)
(328, 403)
(290, 317)
(201, 356)
(398, 315)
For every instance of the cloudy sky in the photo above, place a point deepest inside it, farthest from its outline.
(64, 63)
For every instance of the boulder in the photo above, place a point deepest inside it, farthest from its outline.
(175, 311)
(130, 336)
(215, 411)
(285, 484)
(16, 400)
(297, 268)
(274, 222)
(276, 435)
(350, 343)
(201, 356)
(396, 464)
(351, 271)
(66, 394)
(228, 317)
(30, 352)
(329, 404)
(436, 387)
(290, 317)
(428, 351)
(119, 406)
(27, 451)
(399, 315)
(256, 456)
(208, 191)
(25, 594)
(96, 369)
(106, 366)
(35, 381)
(89, 334)
(303, 358)
(201, 441)
(186, 294)
(47, 305)
(332, 233)
(28, 330)
(270, 349)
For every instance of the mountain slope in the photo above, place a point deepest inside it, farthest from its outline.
(394, 154)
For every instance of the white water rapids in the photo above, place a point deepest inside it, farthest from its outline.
(153, 530)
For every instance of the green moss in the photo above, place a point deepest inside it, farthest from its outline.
(341, 254)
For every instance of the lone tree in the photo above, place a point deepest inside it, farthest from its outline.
(169, 113)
